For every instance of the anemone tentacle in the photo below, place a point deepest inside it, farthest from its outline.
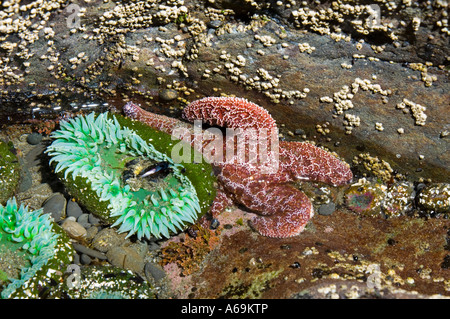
(94, 148)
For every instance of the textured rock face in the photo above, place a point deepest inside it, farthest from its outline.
(297, 69)
(376, 92)
(337, 256)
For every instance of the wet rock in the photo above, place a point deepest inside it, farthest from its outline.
(74, 229)
(436, 198)
(55, 205)
(83, 219)
(26, 180)
(106, 239)
(399, 199)
(85, 259)
(168, 95)
(93, 220)
(365, 197)
(269, 46)
(125, 257)
(73, 209)
(33, 157)
(91, 232)
(154, 271)
(327, 209)
(88, 251)
(34, 138)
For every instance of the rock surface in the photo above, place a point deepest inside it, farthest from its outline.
(275, 54)
(377, 93)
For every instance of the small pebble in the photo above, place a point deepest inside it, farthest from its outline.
(73, 209)
(74, 229)
(76, 259)
(140, 247)
(34, 138)
(93, 220)
(55, 205)
(84, 220)
(125, 257)
(214, 24)
(85, 259)
(214, 223)
(106, 239)
(88, 251)
(91, 232)
(152, 246)
(155, 271)
(327, 209)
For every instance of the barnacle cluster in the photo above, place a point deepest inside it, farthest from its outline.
(95, 150)
(36, 235)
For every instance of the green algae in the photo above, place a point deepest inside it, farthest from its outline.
(105, 282)
(9, 171)
(250, 288)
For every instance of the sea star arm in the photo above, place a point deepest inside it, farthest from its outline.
(157, 121)
(284, 211)
(304, 161)
(231, 112)
(221, 201)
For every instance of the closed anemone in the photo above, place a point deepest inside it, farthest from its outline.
(98, 150)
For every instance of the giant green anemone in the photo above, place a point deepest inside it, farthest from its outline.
(97, 155)
(41, 246)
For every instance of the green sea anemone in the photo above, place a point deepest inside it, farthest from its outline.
(38, 244)
(105, 159)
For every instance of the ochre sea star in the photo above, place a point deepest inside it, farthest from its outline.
(261, 186)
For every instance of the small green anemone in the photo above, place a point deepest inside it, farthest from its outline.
(40, 243)
(95, 151)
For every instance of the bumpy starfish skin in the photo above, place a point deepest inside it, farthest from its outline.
(229, 112)
(283, 211)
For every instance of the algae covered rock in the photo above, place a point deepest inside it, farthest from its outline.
(122, 171)
(33, 250)
(9, 171)
(105, 282)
